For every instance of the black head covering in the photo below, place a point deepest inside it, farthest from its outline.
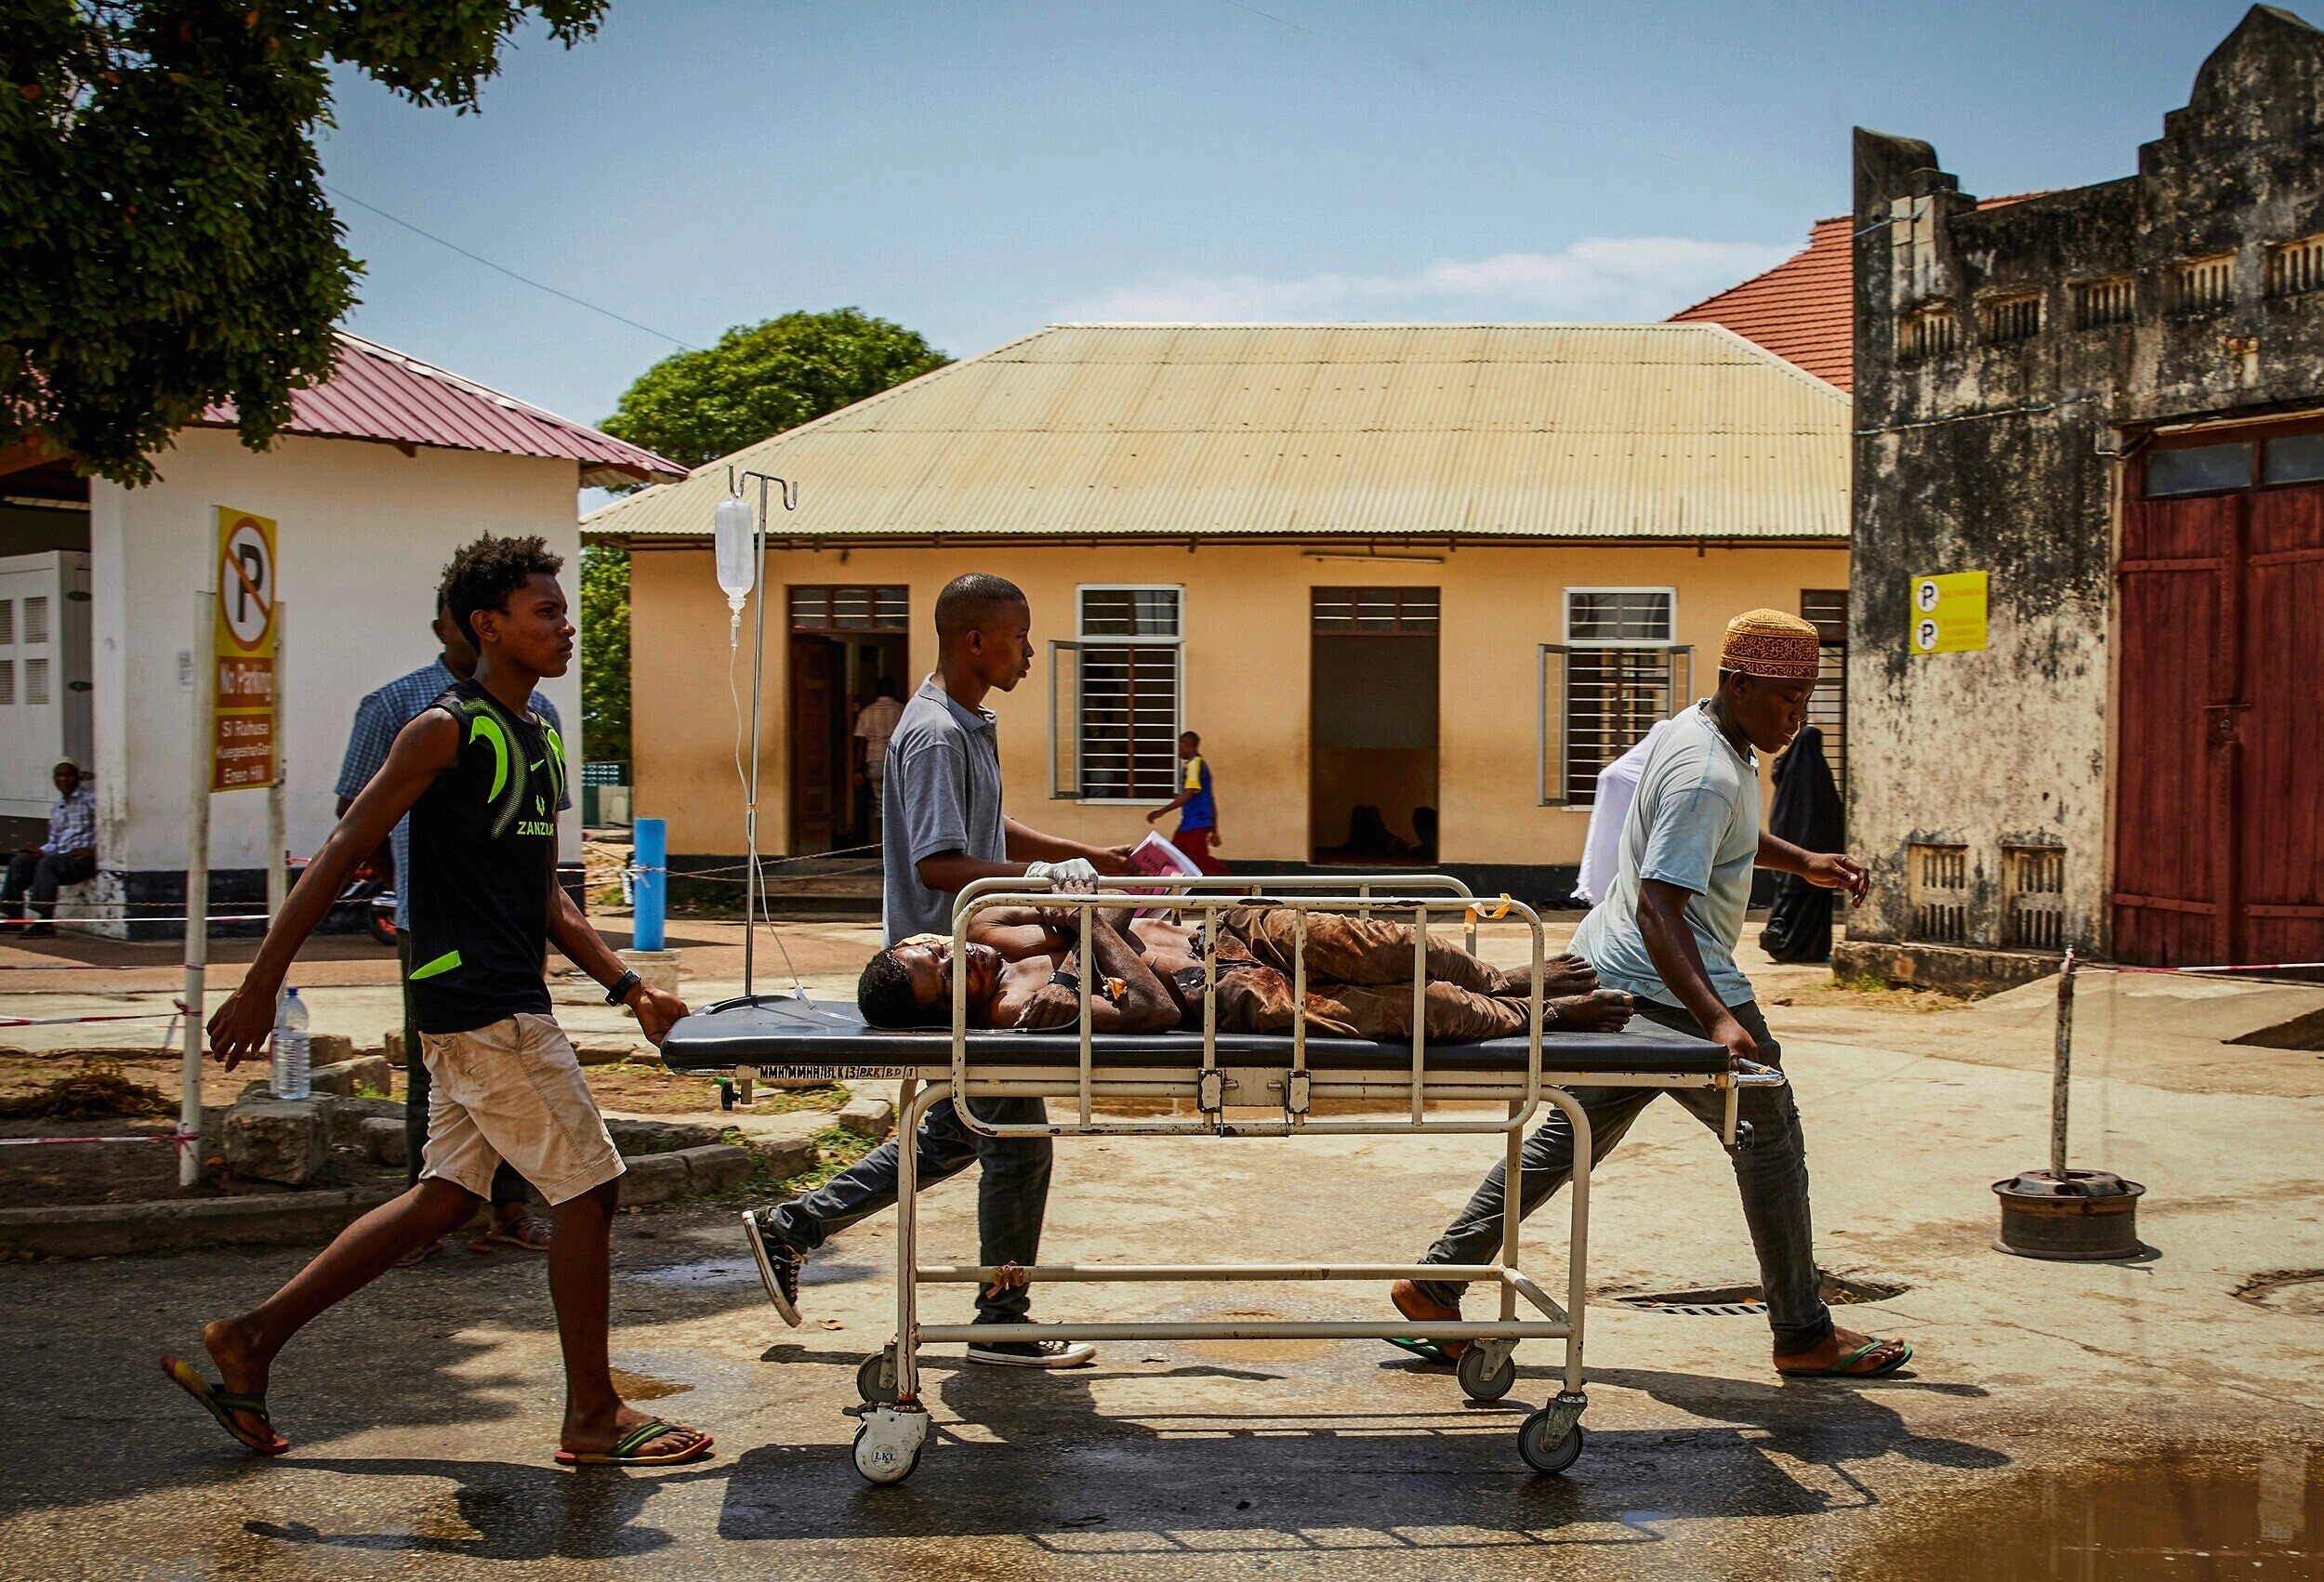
(1807, 810)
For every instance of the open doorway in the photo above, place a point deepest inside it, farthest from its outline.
(1372, 704)
(844, 641)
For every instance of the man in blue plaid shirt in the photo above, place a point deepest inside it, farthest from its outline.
(68, 856)
(378, 720)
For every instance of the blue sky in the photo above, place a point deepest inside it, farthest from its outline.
(978, 169)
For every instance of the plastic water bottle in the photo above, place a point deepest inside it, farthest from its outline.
(290, 1048)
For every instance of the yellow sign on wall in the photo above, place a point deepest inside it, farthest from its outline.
(1948, 612)
(242, 734)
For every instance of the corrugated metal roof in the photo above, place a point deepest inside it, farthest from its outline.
(379, 393)
(1340, 430)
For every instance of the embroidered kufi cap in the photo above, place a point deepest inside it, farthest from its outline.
(1768, 643)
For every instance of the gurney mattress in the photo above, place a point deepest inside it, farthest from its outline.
(784, 1031)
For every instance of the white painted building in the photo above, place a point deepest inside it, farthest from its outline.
(387, 468)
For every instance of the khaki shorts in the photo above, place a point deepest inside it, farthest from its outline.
(514, 1091)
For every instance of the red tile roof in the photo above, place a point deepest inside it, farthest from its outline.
(379, 393)
(1802, 309)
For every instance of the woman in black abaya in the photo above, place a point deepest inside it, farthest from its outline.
(1808, 814)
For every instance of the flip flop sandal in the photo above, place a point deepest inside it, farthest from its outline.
(1427, 1351)
(515, 1238)
(625, 1452)
(1845, 1366)
(222, 1404)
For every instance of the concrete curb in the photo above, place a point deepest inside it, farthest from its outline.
(307, 1219)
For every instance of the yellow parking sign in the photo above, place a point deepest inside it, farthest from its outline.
(1948, 612)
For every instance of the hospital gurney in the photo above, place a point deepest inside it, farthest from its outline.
(1287, 1074)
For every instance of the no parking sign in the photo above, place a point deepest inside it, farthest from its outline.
(242, 737)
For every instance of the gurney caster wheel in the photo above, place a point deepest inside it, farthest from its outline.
(1486, 1373)
(876, 1378)
(888, 1444)
(1542, 1454)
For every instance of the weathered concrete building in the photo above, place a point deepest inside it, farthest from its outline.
(2110, 399)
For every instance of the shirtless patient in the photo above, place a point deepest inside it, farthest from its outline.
(1024, 972)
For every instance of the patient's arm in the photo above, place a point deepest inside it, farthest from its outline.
(1145, 1006)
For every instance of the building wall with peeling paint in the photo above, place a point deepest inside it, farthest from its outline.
(2003, 452)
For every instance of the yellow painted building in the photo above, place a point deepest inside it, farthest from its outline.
(1414, 585)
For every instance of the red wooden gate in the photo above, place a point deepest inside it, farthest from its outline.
(2219, 847)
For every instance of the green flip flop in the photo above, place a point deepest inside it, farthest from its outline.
(1845, 1367)
(626, 1451)
(223, 1403)
(1427, 1351)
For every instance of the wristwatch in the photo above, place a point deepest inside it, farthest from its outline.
(622, 985)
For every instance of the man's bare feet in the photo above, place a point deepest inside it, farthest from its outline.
(597, 1435)
(237, 1349)
(1419, 1306)
(1846, 1354)
(1568, 975)
(1600, 1010)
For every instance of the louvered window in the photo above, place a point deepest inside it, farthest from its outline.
(1937, 891)
(1614, 678)
(2294, 268)
(1929, 330)
(2033, 897)
(1114, 696)
(2111, 301)
(850, 610)
(2199, 285)
(2011, 315)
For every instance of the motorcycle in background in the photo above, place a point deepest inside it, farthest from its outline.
(366, 901)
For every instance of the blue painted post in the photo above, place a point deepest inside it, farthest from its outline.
(652, 887)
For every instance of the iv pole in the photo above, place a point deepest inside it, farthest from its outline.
(758, 668)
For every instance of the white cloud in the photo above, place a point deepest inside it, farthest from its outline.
(1616, 279)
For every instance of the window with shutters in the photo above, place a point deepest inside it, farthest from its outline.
(1937, 891)
(1115, 695)
(1614, 677)
(2033, 897)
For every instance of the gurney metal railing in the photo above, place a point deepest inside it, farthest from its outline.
(895, 1425)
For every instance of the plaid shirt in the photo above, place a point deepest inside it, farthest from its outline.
(378, 720)
(73, 823)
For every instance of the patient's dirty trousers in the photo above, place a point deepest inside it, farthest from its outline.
(1771, 1173)
(1359, 979)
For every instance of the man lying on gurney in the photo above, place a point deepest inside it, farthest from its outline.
(1024, 972)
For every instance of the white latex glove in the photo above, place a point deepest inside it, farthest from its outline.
(1075, 875)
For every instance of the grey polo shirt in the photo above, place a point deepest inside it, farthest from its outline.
(942, 794)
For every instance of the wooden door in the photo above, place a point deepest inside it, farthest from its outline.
(2174, 756)
(814, 705)
(2279, 731)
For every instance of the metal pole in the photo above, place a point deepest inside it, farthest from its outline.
(277, 875)
(750, 818)
(197, 880)
(2061, 1069)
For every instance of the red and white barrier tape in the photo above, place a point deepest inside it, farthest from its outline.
(2256, 967)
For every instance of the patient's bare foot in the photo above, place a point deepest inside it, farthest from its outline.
(1600, 1011)
(1568, 975)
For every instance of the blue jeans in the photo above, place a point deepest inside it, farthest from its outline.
(1771, 1174)
(1010, 1197)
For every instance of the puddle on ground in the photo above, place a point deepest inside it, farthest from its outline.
(644, 1386)
(1257, 1350)
(2147, 1515)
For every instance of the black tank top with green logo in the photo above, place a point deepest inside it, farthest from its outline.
(484, 853)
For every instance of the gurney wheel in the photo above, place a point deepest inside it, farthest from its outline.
(1533, 1443)
(889, 1452)
(876, 1378)
(1481, 1379)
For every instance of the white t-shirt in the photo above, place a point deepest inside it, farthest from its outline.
(875, 725)
(1617, 788)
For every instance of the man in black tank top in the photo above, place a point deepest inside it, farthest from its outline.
(480, 778)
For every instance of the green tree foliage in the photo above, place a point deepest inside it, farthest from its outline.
(164, 242)
(604, 653)
(759, 379)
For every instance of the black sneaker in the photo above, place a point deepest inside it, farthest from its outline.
(1032, 1353)
(779, 1263)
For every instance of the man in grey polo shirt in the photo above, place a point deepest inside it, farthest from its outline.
(941, 828)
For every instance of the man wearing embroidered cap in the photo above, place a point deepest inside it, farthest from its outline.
(1666, 933)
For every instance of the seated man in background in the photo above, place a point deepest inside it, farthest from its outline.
(68, 856)
(1359, 978)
